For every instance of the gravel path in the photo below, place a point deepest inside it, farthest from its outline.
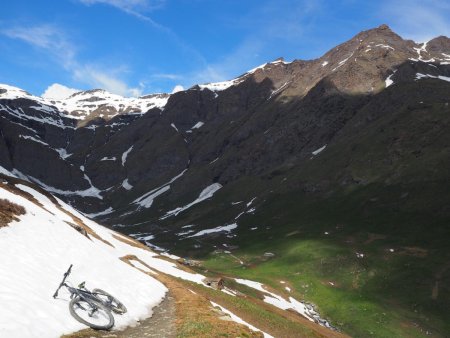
(160, 325)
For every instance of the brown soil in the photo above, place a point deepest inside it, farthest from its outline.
(314, 330)
(183, 313)
(160, 325)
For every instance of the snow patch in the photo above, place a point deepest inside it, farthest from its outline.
(198, 125)
(206, 193)
(440, 77)
(125, 155)
(389, 81)
(146, 200)
(226, 228)
(239, 320)
(108, 159)
(318, 151)
(126, 185)
(101, 213)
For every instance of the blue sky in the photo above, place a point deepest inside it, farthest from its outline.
(135, 47)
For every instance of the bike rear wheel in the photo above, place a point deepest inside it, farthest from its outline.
(92, 314)
(110, 301)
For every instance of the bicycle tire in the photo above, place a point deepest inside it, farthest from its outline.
(110, 301)
(79, 309)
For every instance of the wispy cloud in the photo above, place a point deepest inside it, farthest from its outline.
(167, 76)
(141, 9)
(54, 42)
(273, 20)
(137, 8)
(45, 37)
(419, 20)
(97, 77)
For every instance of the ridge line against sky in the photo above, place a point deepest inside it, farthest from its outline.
(134, 47)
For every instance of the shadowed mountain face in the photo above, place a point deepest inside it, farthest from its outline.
(356, 141)
(273, 116)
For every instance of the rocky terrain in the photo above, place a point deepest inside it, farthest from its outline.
(360, 132)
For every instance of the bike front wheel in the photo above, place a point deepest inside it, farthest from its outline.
(92, 314)
(110, 301)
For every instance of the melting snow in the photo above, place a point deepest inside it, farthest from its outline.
(125, 154)
(388, 80)
(108, 159)
(251, 202)
(208, 192)
(278, 301)
(126, 185)
(54, 120)
(385, 46)
(184, 233)
(342, 62)
(198, 125)
(90, 192)
(226, 228)
(240, 321)
(318, 151)
(146, 200)
(33, 139)
(101, 213)
(62, 153)
(324, 63)
(440, 77)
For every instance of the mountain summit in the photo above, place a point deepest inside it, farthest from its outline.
(346, 155)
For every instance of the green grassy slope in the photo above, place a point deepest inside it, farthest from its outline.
(361, 230)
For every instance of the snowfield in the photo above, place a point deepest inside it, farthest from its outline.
(39, 247)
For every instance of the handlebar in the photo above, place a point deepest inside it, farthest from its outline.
(67, 273)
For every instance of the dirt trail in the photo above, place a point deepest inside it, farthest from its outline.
(160, 325)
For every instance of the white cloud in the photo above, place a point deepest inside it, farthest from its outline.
(58, 92)
(133, 7)
(54, 42)
(177, 88)
(46, 37)
(167, 76)
(419, 20)
(108, 80)
(128, 4)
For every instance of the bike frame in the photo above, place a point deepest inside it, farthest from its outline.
(85, 295)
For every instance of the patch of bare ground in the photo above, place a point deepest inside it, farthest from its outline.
(9, 212)
(262, 322)
(184, 313)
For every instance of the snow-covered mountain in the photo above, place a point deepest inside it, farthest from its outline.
(91, 104)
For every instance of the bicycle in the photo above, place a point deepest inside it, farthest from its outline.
(92, 308)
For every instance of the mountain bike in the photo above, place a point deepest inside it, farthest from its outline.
(92, 308)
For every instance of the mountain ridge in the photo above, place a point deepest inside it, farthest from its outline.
(331, 151)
